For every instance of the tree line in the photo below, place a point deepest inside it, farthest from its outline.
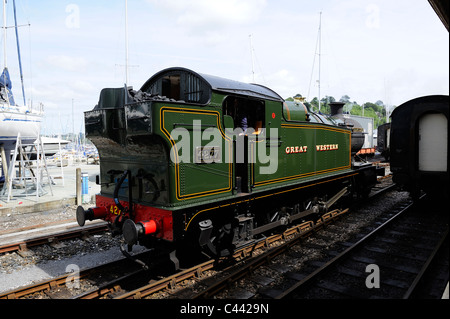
(376, 110)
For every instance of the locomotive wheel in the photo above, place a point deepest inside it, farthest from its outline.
(216, 241)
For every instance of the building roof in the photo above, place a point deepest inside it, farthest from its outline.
(441, 7)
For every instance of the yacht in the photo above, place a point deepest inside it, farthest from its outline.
(15, 119)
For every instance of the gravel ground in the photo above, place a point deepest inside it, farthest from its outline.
(24, 221)
(45, 261)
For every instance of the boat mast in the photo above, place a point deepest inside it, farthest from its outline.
(4, 35)
(18, 52)
(5, 60)
(320, 51)
(251, 55)
(126, 43)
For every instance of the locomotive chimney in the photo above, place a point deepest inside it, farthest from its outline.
(337, 108)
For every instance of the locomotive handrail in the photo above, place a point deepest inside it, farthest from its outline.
(117, 187)
(193, 126)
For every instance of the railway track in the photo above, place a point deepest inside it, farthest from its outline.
(289, 236)
(89, 281)
(248, 259)
(20, 242)
(389, 262)
(125, 271)
(122, 290)
(146, 285)
(405, 255)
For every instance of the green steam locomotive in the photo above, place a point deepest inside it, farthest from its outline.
(193, 162)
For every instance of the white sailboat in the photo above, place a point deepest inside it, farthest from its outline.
(15, 119)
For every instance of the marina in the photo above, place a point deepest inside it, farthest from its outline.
(64, 191)
(18, 123)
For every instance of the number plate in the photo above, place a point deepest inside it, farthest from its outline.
(115, 210)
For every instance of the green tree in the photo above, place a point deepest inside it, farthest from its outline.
(345, 99)
(314, 103)
(356, 109)
(376, 110)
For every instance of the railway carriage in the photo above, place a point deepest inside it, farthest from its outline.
(195, 162)
(419, 146)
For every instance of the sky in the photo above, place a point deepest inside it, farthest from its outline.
(371, 50)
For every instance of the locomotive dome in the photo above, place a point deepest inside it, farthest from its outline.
(184, 84)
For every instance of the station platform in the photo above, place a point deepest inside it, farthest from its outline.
(64, 191)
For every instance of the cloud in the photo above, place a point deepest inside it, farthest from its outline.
(371, 49)
(282, 81)
(67, 63)
(211, 15)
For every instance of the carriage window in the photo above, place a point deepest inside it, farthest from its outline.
(171, 86)
(180, 86)
(246, 113)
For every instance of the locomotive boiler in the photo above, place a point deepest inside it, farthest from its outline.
(193, 162)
